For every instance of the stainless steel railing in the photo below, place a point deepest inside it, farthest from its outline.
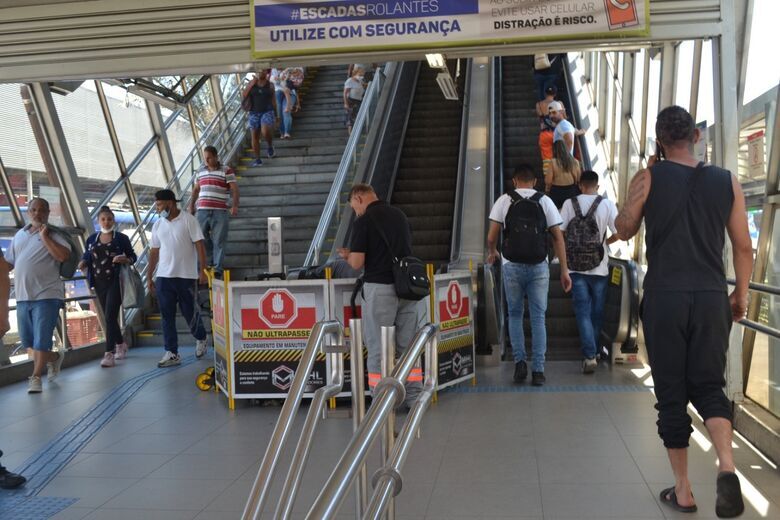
(322, 331)
(388, 394)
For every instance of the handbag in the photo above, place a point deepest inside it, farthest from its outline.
(409, 274)
(541, 62)
(133, 293)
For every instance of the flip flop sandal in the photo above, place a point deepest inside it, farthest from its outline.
(729, 503)
(670, 499)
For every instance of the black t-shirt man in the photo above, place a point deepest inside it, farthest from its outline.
(366, 239)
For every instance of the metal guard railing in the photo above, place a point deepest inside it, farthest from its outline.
(348, 165)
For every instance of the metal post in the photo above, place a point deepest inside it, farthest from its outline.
(259, 491)
(358, 405)
(388, 360)
(695, 78)
(163, 146)
(388, 479)
(316, 408)
(668, 75)
(626, 108)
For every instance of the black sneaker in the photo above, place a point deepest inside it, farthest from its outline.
(10, 480)
(521, 371)
(537, 378)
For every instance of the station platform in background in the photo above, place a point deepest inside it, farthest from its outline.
(581, 447)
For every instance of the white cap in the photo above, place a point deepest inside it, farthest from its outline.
(555, 105)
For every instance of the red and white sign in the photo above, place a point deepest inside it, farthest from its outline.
(454, 298)
(278, 308)
(756, 155)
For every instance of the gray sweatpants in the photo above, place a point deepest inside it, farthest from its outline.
(382, 308)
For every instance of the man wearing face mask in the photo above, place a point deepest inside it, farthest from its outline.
(35, 255)
(176, 238)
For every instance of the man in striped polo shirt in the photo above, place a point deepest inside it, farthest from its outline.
(210, 197)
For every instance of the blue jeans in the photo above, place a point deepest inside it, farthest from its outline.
(533, 281)
(589, 293)
(285, 126)
(543, 80)
(214, 224)
(171, 291)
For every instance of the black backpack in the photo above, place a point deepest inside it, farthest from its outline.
(584, 241)
(525, 230)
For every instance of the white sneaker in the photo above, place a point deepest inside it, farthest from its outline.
(200, 348)
(54, 367)
(169, 359)
(108, 360)
(121, 351)
(35, 386)
(589, 365)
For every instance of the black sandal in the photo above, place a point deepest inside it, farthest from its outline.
(669, 498)
(729, 503)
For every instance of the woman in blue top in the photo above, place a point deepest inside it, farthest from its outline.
(104, 254)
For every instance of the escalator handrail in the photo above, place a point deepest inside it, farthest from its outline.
(771, 290)
(457, 217)
(331, 204)
(575, 111)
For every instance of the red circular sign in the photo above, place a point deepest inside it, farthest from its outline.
(454, 299)
(278, 308)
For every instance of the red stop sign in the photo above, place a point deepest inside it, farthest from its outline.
(454, 299)
(278, 308)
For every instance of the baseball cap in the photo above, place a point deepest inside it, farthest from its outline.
(165, 195)
(555, 106)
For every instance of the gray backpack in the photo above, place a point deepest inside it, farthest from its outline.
(69, 266)
(584, 242)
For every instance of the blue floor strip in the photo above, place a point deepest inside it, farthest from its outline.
(523, 389)
(44, 465)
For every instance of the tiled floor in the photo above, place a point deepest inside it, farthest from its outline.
(177, 453)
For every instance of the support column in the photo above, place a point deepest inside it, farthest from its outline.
(163, 146)
(627, 106)
(668, 75)
(62, 161)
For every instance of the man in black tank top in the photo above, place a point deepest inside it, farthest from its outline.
(686, 310)
(263, 116)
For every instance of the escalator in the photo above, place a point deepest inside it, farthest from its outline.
(519, 144)
(427, 175)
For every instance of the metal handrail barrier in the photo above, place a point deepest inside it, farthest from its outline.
(358, 406)
(322, 330)
(758, 287)
(388, 481)
(348, 162)
(760, 327)
(388, 394)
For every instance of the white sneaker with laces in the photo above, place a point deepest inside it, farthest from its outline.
(169, 359)
(54, 367)
(200, 348)
(35, 386)
(108, 360)
(589, 365)
(121, 351)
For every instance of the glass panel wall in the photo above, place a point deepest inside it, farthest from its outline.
(131, 119)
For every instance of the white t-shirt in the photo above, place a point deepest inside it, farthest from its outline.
(605, 215)
(564, 127)
(504, 202)
(355, 87)
(37, 273)
(176, 240)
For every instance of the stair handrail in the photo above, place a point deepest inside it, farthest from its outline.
(387, 394)
(259, 492)
(457, 217)
(232, 126)
(348, 162)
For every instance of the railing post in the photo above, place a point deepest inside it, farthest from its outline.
(388, 360)
(358, 405)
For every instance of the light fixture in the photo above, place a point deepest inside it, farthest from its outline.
(149, 95)
(447, 86)
(436, 61)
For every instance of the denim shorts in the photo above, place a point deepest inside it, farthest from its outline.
(36, 321)
(258, 119)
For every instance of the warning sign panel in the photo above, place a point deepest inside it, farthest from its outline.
(456, 331)
(272, 322)
(218, 332)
